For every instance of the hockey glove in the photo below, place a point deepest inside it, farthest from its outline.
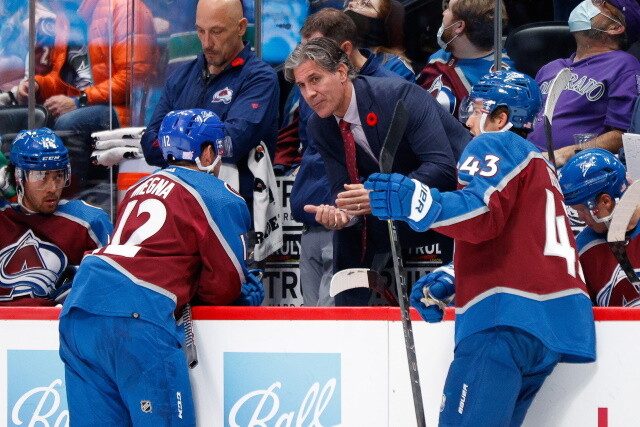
(433, 292)
(252, 293)
(63, 286)
(111, 146)
(395, 196)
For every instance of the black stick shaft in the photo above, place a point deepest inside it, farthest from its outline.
(410, 346)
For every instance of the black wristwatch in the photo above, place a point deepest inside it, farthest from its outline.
(82, 99)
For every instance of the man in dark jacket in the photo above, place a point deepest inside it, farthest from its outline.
(228, 79)
(430, 144)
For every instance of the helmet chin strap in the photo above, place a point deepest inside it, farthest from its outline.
(20, 192)
(208, 169)
(19, 175)
(607, 219)
(483, 119)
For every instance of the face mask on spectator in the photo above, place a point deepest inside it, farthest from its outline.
(580, 18)
(442, 43)
(371, 31)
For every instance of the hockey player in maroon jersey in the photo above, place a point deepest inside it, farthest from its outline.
(592, 182)
(521, 303)
(43, 238)
(180, 237)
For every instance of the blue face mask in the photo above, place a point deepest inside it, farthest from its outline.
(580, 17)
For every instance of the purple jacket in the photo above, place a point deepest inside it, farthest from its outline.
(599, 97)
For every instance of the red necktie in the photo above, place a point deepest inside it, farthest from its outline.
(349, 151)
(352, 170)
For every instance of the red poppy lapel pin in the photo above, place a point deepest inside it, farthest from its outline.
(237, 62)
(372, 119)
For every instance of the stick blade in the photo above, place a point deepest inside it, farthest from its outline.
(350, 278)
(555, 89)
(623, 212)
(394, 135)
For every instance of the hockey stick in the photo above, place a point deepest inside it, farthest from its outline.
(189, 338)
(361, 278)
(555, 89)
(387, 154)
(617, 235)
(497, 37)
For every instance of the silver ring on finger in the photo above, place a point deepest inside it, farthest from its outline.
(358, 207)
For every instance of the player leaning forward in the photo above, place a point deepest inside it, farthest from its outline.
(178, 238)
(43, 237)
(521, 303)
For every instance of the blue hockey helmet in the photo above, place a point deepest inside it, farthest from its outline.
(183, 132)
(590, 173)
(516, 91)
(39, 149)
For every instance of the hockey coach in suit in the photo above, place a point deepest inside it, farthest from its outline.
(351, 120)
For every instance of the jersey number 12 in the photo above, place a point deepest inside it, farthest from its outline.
(157, 216)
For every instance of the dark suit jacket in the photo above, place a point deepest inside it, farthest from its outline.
(428, 152)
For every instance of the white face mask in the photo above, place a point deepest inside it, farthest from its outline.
(442, 43)
(581, 15)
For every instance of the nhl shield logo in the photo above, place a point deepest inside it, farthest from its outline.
(145, 406)
(223, 95)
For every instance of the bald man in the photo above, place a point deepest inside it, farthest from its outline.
(228, 79)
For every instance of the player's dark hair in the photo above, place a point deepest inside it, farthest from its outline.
(323, 51)
(504, 109)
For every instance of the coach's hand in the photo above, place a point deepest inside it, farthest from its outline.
(397, 197)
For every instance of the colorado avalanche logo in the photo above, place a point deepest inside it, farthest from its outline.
(618, 291)
(443, 94)
(223, 95)
(30, 267)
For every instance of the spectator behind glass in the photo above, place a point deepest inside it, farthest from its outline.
(512, 312)
(228, 79)
(83, 94)
(604, 85)
(312, 185)
(428, 149)
(466, 51)
(373, 19)
(43, 238)
(593, 182)
(14, 39)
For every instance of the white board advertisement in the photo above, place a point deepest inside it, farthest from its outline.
(321, 367)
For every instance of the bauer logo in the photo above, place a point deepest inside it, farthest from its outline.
(35, 389)
(282, 389)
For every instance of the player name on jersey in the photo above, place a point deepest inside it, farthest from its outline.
(158, 186)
